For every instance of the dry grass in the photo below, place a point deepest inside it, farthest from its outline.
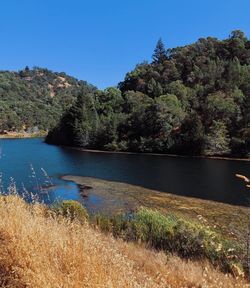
(42, 251)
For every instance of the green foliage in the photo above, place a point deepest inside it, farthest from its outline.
(188, 239)
(78, 126)
(35, 99)
(217, 140)
(160, 53)
(189, 100)
(71, 209)
(220, 106)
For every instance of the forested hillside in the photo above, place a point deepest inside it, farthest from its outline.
(34, 99)
(188, 100)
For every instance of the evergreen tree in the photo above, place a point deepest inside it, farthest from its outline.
(189, 100)
(160, 53)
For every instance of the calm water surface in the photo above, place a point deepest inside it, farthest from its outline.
(201, 178)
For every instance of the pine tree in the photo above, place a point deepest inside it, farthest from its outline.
(160, 53)
(84, 119)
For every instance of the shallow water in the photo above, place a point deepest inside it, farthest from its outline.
(210, 179)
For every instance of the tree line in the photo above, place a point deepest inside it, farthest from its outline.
(189, 100)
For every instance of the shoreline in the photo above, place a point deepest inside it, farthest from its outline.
(22, 135)
(110, 198)
(157, 154)
(80, 180)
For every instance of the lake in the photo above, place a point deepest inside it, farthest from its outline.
(29, 161)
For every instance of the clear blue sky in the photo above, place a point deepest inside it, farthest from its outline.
(100, 40)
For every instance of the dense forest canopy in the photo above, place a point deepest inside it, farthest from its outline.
(34, 99)
(189, 100)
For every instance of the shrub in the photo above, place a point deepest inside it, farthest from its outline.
(71, 209)
(154, 228)
(38, 251)
(103, 222)
(188, 239)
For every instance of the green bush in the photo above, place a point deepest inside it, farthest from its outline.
(154, 228)
(188, 239)
(103, 222)
(71, 209)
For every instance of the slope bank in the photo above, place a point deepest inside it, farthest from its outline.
(38, 250)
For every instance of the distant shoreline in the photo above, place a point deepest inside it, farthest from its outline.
(22, 135)
(158, 154)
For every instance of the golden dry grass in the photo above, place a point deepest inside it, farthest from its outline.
(42, 251)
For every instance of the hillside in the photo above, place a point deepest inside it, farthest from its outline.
(34, 99)
(189, 100)
(39, 249)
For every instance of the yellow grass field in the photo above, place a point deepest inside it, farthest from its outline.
(38, 250)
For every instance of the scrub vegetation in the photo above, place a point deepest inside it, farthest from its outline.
(41, 248)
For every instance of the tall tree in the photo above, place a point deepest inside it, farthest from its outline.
(217, 140)
(192, 99)
(160, 53)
